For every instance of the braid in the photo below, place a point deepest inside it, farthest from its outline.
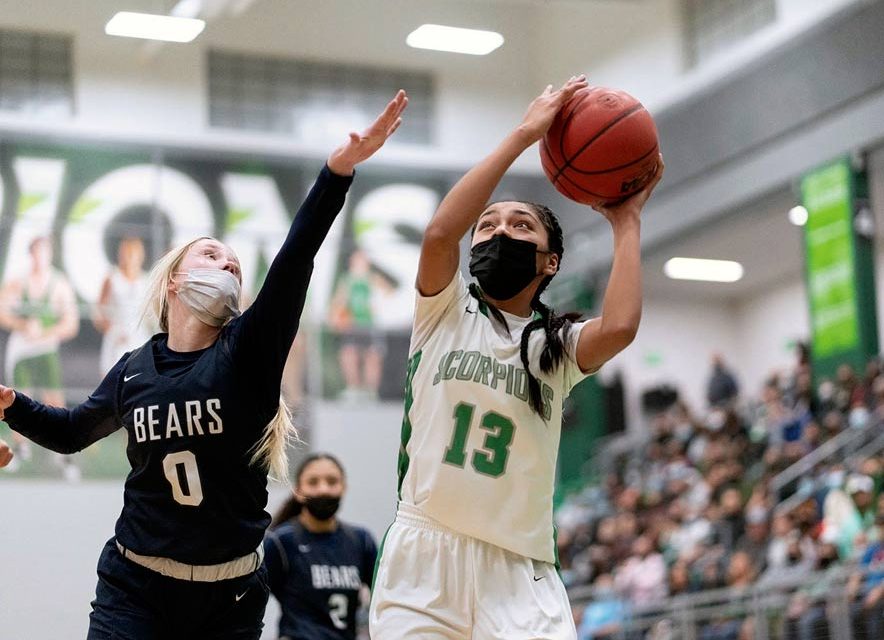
(554, 347)
(476, 292)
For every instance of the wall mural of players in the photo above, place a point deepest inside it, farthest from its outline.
(81, 225)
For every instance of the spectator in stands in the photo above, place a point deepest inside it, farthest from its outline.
(642, 579)
(848, 393)
(754, 541)
(730, 524)
(841, 522)
(680, 581)
(866, 587)
(861, 489)
(722, 388)
(806, 613)
(604, 616)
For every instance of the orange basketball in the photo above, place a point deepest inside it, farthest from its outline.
(601, 148)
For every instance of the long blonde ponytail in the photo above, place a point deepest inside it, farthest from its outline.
(271, 452)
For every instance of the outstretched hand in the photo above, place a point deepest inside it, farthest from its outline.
(633, 205)
(543, 109)
(361, 147)
(5, 454)
(7, 397)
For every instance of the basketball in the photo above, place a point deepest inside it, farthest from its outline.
(601, 148)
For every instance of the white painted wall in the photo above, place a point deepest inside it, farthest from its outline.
(674, 346)
(766, 325)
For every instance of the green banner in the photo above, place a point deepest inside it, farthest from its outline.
(840, 270)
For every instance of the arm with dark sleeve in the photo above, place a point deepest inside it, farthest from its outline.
(263, 335)
(370, 558)
(276, 562)
(69, 430)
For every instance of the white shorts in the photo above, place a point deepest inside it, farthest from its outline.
(435, 583)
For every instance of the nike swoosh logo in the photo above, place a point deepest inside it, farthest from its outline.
(134, 375)
(240, 597)
(536, 579)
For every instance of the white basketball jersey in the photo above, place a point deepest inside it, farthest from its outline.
(475, 457)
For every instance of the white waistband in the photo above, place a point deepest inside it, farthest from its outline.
(414, 517)
(198, 572)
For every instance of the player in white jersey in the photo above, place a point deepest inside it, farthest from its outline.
(472, 551)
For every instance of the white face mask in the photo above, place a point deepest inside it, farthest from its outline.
(211, 294)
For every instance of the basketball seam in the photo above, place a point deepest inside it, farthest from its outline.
(622, 166)
(607, 127)
(568, 121)
(565, 178)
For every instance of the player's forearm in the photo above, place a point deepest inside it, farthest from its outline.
(622, 305)
(462, 206)
(269, 326)
(55, 428)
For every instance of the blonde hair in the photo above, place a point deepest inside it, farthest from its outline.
(270, 453)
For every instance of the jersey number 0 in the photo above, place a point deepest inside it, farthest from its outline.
(184, 476)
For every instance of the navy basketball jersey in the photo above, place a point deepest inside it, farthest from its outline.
(192, 495)
(316, 577)
(194, 418)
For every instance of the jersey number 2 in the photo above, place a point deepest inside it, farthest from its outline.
(184, 476)
(337, 610)
(491, 459)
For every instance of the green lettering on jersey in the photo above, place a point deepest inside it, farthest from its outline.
(456, 453)
(492, 458)
(472, 366)
(468, 365)
(483, 370)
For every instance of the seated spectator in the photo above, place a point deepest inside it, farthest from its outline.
(730, 525)
(866, 588)
(841, 522)
(754, 541)
(605, 615)
(861, 489)
(806, 614)
(642, 579)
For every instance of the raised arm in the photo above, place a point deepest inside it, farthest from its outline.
(460, 209)
(267, 328)
(65, 430)
(604, 337)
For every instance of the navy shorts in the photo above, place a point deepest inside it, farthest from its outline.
(135, 603)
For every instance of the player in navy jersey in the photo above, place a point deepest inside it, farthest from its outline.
(316, 564)
(201, 406)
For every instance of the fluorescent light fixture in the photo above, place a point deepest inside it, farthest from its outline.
(154, 27)
(703, 270)
(798, 216)
(454, 39)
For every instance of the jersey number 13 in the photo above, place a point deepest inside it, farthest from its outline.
(491, 459)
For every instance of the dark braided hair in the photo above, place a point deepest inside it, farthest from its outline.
(554, 348)
(292, 508)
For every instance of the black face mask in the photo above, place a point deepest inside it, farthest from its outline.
(322, 507)
(504, 266)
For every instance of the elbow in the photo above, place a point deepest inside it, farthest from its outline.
(623, 335)
(436, 235)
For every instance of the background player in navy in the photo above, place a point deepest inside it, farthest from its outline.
(316, 564)
(201, 406)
